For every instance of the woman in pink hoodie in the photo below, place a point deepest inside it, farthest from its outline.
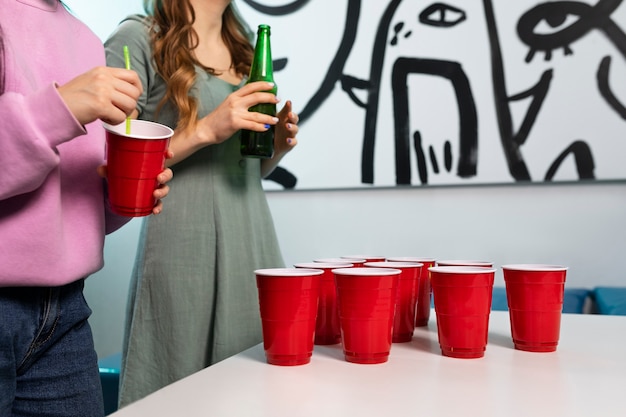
(54, 90)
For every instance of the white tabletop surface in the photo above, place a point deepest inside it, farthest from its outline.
(586, 376)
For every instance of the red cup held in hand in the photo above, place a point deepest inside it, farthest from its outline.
(134, 160)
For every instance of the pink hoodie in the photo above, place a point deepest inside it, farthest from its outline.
(52, 206)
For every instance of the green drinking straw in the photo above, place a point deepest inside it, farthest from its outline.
(127, 65)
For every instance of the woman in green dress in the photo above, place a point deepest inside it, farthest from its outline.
(193, 298)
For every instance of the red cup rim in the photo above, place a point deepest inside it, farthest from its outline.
(120, 130)
(314, 265)
(364, 257)
(410, 259)
(534, 267)
(367, 271)
(465, 262)
(338, 260)
(461, 269)
(393, 264)
(287, 272)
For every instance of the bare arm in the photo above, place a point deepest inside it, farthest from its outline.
(222, 123)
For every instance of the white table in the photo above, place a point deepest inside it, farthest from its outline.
(586, 376)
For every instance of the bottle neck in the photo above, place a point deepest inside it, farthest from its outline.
(262, 69)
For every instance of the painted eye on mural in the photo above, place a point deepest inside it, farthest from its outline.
(442, 15)
(276, 8)
(556, 25)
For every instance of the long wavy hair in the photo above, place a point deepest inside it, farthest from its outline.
(173, 40)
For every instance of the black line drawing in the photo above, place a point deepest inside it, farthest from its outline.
(567, 22)
(440, 15)
(468, 140)
(333, 74)
(587, 18)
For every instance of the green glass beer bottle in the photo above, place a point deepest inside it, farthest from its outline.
(261, 144)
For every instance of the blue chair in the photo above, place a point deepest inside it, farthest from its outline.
(498, 299)
(573, 299)
(610, 300)
(110, 379)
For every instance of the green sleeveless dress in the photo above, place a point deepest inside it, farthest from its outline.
(193, 298)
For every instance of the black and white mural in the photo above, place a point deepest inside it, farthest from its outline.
(416, 92)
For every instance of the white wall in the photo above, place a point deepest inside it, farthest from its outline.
(580, 226)
(103, 16)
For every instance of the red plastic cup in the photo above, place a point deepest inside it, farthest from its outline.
(134, 161)
(465, 262)
(288, 300)
(422, 309)
(366, 298)
(406, 297)
(358, 263)
(535, 297)
(462, 296)
(327, 328)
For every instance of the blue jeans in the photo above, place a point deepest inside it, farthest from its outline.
(48, 364)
